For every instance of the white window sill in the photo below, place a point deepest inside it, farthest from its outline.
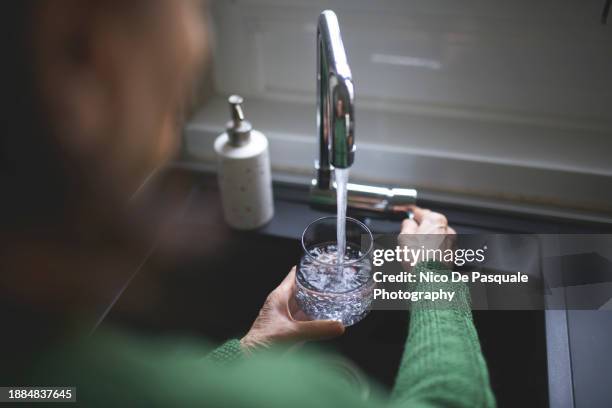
(442, 156)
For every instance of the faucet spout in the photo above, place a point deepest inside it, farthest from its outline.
(335, 101)
(336, 124)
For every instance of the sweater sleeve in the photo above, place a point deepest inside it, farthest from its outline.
(442, 366)
(228, 352)
(442, 363)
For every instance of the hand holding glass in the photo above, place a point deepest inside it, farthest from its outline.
(329, 288)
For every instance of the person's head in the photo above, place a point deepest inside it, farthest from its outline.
(95, 89)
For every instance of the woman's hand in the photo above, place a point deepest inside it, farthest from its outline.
(426, 222)
(281, 321)
(427, 230)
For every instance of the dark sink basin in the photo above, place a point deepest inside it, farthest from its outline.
(214, 281)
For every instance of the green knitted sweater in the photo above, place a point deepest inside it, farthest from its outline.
(442, 366)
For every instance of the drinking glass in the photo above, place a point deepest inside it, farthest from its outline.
(331, 289)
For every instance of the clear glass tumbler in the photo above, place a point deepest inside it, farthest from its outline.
(331, 289)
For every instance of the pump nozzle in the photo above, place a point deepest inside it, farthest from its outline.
(238, 129)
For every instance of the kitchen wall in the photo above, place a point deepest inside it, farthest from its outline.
(492, 99)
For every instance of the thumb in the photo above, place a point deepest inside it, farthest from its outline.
(288, 282)
(319, 329)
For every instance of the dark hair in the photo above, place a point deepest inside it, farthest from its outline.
(33, 171)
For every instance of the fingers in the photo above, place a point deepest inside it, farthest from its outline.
(423, 215)
(409, 226)
(425, 221)
(434, 218)
(280, 319)
(420, 213)
(319, 329)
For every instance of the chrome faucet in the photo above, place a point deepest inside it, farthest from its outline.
(335, 101)
(336, 124)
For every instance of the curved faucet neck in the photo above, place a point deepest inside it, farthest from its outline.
(335, 101)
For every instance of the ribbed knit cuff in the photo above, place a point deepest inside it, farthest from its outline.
(461, 299)
(228, 352)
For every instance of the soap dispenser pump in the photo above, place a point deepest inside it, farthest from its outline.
(244, 175)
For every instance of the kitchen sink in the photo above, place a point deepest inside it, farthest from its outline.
(208, 281)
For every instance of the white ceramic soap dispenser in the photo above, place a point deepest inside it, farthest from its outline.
(245, 179)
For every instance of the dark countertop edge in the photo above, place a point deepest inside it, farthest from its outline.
(529, 218)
